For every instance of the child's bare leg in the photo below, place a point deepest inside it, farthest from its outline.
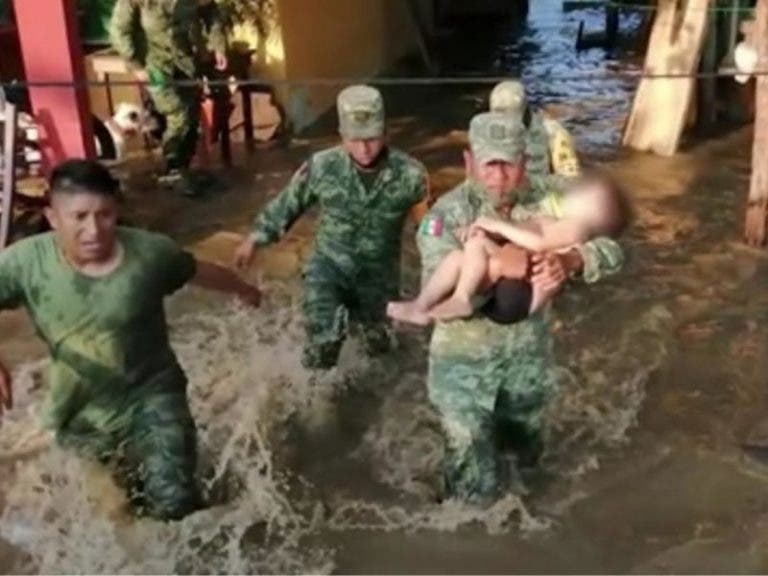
(474, 272)
(442, 281)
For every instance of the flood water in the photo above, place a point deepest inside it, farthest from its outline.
(663, 376)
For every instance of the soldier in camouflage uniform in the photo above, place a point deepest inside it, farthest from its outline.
(365, 190)
(549, 146)
(95, 294)
(486, 378)
(172, 40)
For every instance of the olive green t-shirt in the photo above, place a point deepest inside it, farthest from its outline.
(107, 336)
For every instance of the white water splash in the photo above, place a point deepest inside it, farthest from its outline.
(245, 380)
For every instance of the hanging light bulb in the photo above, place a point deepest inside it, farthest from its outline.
(745, 57)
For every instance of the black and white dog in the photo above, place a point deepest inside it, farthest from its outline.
(129, 121)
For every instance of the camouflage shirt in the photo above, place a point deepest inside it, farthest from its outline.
(550, 148)
(165, 36)
(356, 226)
(478, 341)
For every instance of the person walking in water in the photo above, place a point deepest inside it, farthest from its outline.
(95, 292)
(365, 189)
(171, 43)
(489, 380)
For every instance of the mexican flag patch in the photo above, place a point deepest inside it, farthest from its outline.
(432, 226)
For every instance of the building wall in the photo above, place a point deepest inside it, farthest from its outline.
(340, 39)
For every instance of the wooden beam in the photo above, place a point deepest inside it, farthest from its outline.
(757, 205)
(661, 105)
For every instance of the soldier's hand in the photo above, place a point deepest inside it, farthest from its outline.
(244, 254)
(462, 233)
(222, 62)
(249, 294)
(6, 392)
(469, 165)
(549, 272)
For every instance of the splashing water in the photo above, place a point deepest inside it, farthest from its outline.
(245, 380)
(248, 390)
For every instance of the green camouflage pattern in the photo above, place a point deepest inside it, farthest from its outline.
(355, 265)
(361, 112)
(483, 376)
(497, 137)
(170, 37)
(153, 451)
(114, 380)
(171, 40)
(509, 98)
(549, 149)
(549, 146)
(181, 107)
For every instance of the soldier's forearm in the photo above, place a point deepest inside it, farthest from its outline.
(214, 277)
(574, 263)
(602, 257)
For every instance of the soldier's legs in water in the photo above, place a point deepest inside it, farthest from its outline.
(519, 430)
(471, 468)
(325, 315)
(106, 448)
(162, 444)
(519, 409)
(190, 96)
(180, 106)
(369, 310)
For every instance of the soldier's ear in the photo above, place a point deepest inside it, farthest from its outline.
(469, 164)
(52, 217)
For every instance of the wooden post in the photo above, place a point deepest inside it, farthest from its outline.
(757, 206)
(661, 105)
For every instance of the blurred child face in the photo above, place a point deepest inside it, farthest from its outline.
(593, 203)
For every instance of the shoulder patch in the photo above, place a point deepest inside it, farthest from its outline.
(432, 226)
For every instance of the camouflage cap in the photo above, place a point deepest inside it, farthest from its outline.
(497, 137)
(361, 112)
(508, 97)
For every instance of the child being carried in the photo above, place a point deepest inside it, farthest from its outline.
(496, 249)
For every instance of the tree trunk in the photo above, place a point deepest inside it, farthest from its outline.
(661, 105)
(757, 206)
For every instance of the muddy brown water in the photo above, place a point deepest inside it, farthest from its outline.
(663, 370)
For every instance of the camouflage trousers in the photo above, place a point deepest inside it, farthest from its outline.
(334, 298)
(491, 407)
(152, 452)
(181, 107)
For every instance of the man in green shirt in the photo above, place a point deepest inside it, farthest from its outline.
(95, 294)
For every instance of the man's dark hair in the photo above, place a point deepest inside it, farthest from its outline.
(78, 176)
